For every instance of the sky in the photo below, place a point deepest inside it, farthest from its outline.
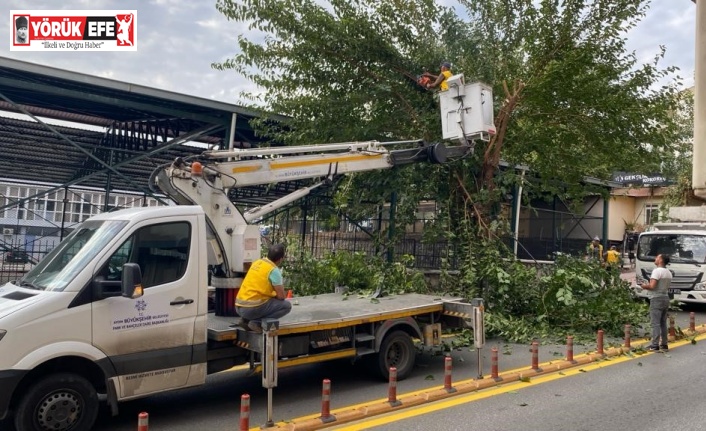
(179, 39)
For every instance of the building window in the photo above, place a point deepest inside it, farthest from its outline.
(651, 213)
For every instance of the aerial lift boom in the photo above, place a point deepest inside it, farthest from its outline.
(234, 239)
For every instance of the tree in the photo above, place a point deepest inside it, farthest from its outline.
(571, 102)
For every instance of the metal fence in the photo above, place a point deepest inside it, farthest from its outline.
(543, 233)
(367, 238)
(17, 257)
(427, 255)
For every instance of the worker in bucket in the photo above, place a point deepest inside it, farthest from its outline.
(441, 78)
(262, 296)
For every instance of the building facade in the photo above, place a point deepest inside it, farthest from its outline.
(36, 225)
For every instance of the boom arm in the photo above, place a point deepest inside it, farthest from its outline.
(206, 183)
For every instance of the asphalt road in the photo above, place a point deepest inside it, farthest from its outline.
(215, 406)
(654, 391)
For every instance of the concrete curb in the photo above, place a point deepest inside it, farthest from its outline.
(464, 387)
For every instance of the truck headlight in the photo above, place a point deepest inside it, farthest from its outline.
(699, 286)
(2, 333)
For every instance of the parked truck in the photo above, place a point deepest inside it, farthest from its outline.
(684, 240)
(120, 307)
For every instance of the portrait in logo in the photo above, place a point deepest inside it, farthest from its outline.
(22, 30)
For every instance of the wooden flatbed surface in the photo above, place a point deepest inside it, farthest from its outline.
(335, 310)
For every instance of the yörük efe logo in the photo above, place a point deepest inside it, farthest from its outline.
(73, 30)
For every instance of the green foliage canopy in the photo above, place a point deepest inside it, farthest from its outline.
(344, 70)
(571, 102)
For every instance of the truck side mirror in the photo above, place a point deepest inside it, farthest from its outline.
(132, 281)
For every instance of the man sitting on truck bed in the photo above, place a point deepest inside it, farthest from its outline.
(261, 296)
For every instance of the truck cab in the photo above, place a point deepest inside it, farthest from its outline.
(686, 245)
(69, 331)
(120, 309)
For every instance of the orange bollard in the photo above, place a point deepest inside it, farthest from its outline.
(599, 342)
(627, 336)
(570, 348)
(392, 389)
(494, 364)
(290, 294)
(447, 375)
(326, 415)
(535, 355)
(672, 330)
(244, 412)
(692, 322)
(143, 421)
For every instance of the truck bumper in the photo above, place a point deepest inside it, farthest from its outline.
(692, 297)
(687, 296)
(9, 379)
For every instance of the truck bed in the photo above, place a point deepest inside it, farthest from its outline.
(335, 310)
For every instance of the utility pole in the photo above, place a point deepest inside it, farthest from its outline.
(698, 179)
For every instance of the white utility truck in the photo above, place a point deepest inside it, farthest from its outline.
(684, 241)
(120, 307)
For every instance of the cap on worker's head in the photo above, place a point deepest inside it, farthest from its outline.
(612, 247)
(595, 238)
(21, 22)
(446, 64)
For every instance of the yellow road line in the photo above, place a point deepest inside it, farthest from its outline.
(422, 391)
(502, 388)
(486, 393)
(455, 401)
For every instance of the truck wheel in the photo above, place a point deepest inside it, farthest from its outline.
(60, 402)
(397, 350)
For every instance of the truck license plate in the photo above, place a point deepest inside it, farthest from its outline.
(674, 291)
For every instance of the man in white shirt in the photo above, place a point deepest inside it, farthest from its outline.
(658, 286)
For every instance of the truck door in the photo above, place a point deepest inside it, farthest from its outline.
(150, 340)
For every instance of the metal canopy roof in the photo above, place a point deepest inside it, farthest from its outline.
(140, 127)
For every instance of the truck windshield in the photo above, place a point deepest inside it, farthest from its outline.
(71, 256)
(682, 248)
